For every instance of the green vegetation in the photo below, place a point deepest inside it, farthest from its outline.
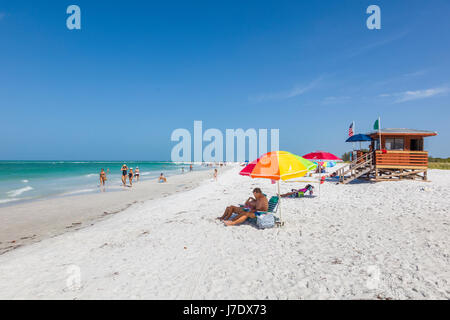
(439, 163)
(442, 160)
(346, 156)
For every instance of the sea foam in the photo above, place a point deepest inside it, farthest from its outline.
(17, 192)
(78, 191)
(8, 200)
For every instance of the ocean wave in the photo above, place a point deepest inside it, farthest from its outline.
(91, 175)
(78, 191)
(8, 200)
(17, 192)
(25, 181)
(147, 173)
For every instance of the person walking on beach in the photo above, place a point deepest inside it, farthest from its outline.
(190, 168)
(124, 174)
(215, 174)
(102, 178)
(130, 177)
(162, 178)
(136, 174)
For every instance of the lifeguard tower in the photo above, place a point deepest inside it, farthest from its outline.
(401, 156)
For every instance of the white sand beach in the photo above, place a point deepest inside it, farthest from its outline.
(387, 240)
(28, 222)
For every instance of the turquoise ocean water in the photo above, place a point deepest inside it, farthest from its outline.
(31, 180)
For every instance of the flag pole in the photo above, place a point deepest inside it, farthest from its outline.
(320, 180)
(279, 202)
(354, 130)
(379, 130)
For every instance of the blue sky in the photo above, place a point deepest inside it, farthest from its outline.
(137, 70)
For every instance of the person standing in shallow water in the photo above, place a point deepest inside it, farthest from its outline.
(124, 174)
(130, 177)
(102, 178)
(136, 174)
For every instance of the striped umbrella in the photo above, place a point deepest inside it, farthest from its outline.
(278, 165)
(326, 164)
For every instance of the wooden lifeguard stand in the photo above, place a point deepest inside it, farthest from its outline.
(401, 156)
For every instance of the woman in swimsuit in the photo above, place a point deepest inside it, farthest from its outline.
(124, 174)
(130, 176)
(102, 178)
(136, 173)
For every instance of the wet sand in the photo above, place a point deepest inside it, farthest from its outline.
(25, 223)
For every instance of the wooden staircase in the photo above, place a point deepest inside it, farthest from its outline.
(357, 168)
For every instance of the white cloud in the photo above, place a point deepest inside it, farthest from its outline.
(416, 95)
(401, 78)
(335, 100)
(415, 74)
(420, 94)
(373, 45)
(294, 92)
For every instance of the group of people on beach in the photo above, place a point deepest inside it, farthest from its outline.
(126, 173)
(216, 164)
(190, 169)
(130, 175)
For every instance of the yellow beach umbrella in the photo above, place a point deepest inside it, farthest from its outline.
(279, 165)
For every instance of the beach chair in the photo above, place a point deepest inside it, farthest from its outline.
(273, 206)
(301, 192)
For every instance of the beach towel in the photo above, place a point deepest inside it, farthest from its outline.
(301, 192)
(265, 220)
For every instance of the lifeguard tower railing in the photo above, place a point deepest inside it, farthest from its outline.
(393, 159)
(384, 165)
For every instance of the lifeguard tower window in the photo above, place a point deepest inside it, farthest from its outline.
(394, 144)
(416, 145)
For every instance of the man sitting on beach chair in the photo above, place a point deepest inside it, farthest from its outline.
(252, 205)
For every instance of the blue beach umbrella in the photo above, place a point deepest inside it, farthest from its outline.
(359, 137)
(330, 164)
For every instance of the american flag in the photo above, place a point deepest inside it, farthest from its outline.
(350, 130)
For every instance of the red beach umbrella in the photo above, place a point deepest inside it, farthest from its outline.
(248, 168)
(321, 156)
